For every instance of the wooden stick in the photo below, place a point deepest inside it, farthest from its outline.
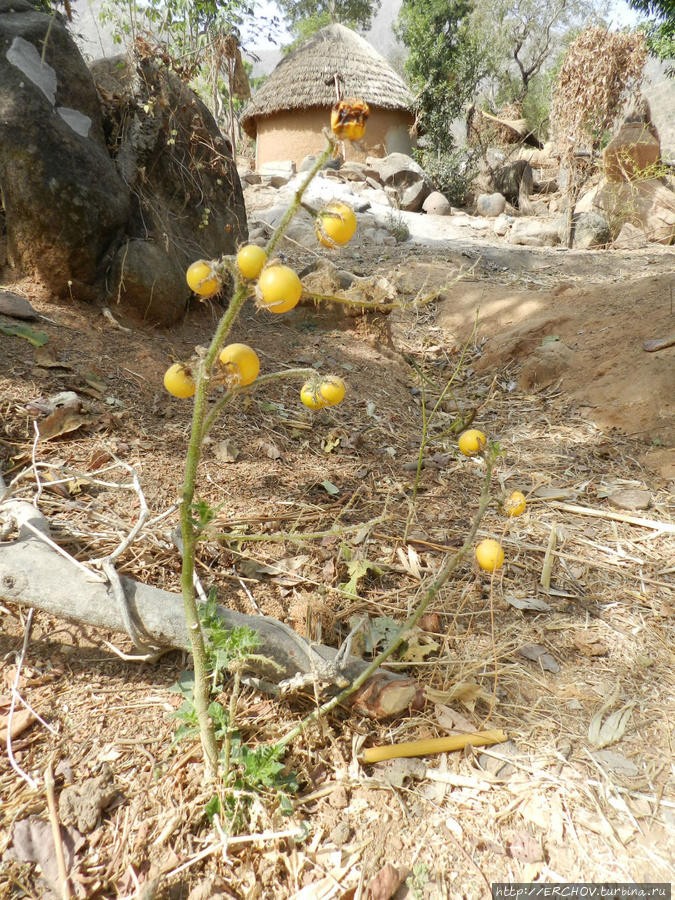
(433, 745)
(665, 527)
(545, 579)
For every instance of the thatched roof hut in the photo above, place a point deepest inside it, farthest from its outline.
(289, 111)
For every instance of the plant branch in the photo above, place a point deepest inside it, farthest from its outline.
(444, 574)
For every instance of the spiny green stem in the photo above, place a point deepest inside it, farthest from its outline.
(297, 200)
(433, 589)
(201, 687)
(260, 381)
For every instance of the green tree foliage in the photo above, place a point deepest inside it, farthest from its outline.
(444, 64)
(661, 28)
(305, 17)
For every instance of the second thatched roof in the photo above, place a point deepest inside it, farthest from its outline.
(306, 77)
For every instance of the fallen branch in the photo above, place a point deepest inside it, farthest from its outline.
(33, 574)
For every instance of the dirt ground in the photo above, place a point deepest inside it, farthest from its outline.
(575, 666)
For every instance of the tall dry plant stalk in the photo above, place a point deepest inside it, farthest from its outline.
(601, 72)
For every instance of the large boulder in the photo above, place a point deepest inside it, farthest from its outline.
(535, 232)
(632, 153)
(649, 205)
(187, 200)
(407, 180)
(515, 181)
(65, 203)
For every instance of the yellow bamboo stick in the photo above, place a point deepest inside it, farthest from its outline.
(433, 745)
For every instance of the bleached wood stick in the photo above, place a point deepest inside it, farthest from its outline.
(665, 527)
(32, 574)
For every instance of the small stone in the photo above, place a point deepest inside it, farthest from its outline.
(437, 204)
(490, 205)
(338, 799)
(340, 834)
(630, 499)
(16, 307)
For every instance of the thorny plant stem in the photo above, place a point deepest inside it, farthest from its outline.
(297, 200)
(201, 423)
(260, 381)
(201, 685)
(232, 712)
(446, 571)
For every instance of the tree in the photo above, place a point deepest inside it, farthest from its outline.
(444, 64)
(306, 17)
(660, 30)
(522, 38)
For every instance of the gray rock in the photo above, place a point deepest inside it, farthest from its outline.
(187, 198)
(406, 177)
(535, 233)
(490, 205)
(150, 282)
(502, 224)
(16, 307)
(307, 163)
(591, 229)
(437, 204)
(281, 169)
(65, 203)
(250, 178)
(631, 238)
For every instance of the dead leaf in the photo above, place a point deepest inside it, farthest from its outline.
(33, 841)
(589, 647)
(386, 882)
(396, 771)
(21, 719)
(226, 451)
(612, 729)
(467, 692)
(418, 646)
(452, 721)
(525, 848)
(269, 450)
(540, 654)
(45, 357)
(62, 421)
(535, 604)
(616, 763)
(410, 562)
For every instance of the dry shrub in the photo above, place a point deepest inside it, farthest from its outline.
(601, 71)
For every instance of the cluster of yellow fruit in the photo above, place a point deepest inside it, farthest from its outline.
(489, 553)
(278, 289)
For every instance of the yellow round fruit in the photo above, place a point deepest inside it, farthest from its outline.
(279, 288)
(251, 259)
(515, 504)
(310, 396)
(332, 390)
(335, 225)
(241, 362)
(202, 279)
(489, 555)
(179, 382)
(472, 442)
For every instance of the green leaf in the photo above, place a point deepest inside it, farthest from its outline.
(550, 339)
(358, 568)
(329, 487)
(36, 338)
(185, 686)
(213, 808)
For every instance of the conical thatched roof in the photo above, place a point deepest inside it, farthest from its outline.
(306, 77)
